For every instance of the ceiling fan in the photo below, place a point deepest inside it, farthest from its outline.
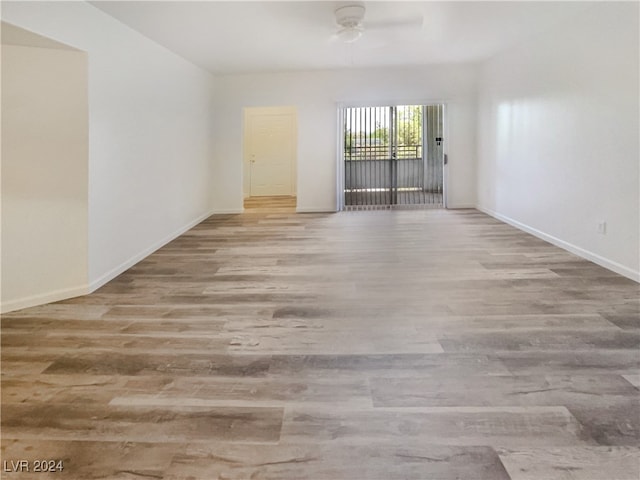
(349, 17)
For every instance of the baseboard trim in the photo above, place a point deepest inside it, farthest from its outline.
(113, 273)
(40, 299)
(460, 206)
(581, 252)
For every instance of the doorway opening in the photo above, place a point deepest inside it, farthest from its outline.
(270, 151)
(45, 164)
(393, 157)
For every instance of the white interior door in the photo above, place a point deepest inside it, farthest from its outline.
(271, 152)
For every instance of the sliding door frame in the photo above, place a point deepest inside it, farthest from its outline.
(340, 136)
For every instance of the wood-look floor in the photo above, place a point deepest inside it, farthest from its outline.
(382, 345)
(275, 204)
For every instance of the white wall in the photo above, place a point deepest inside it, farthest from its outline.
(149, 133)
(558, 136)
(316, 95)
(44, 175)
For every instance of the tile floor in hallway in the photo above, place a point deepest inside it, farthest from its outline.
(382, 345)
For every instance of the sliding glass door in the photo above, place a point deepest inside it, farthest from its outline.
(393, 155)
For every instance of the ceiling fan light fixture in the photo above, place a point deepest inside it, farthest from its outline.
(349, 34)
(349, 18)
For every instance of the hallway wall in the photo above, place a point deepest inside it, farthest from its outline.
(150, 133)
(44, 175)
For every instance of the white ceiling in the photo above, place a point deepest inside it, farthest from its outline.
(227, 37)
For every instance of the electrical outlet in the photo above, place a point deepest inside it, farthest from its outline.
(602, 228)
